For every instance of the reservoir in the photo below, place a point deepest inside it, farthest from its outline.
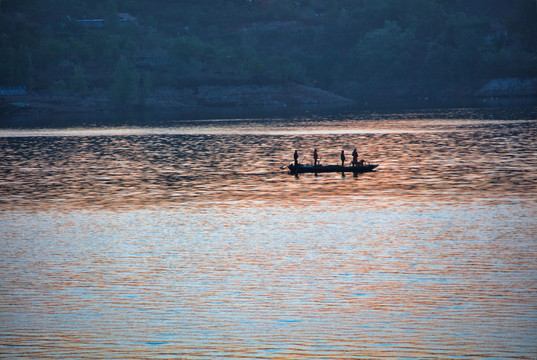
(179, 238)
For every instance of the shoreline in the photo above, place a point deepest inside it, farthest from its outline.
(167, 99)
(268, 99)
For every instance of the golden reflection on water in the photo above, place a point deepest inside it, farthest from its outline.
(160, 167)
(169, 244)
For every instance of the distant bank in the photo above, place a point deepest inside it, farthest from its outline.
(168, 99)
(498, 92)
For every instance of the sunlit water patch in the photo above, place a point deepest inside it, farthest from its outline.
(262, 127)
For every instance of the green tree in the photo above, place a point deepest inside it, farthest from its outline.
(78, 80)
(124, 90)
(111, 15)
(286, 70)
(439, 63)
(187, 47)
(105, 47)
(145, 89)
(384, 53)
(465, 37)
(16, 66)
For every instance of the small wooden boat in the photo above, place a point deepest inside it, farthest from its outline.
(300, 168)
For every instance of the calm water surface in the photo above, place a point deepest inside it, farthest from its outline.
(189, 240)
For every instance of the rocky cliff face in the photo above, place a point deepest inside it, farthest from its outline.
(509, 87)
(267, 95)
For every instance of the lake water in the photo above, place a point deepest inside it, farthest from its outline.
(187, 239)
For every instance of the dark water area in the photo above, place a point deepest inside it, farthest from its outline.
(187, 238)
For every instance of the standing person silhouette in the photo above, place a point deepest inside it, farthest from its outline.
(315, 157)
(295, 156)
(355, 157)
(342, 158)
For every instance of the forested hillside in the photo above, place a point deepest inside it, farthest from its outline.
(355, 48)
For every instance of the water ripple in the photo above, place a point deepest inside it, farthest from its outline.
(172, 244)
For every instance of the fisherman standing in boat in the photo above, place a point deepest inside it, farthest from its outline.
(354, 157)
(342, 158)
(295, 156)
(315, 157)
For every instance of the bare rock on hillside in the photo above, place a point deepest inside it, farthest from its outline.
(246, 95)
(509, 87)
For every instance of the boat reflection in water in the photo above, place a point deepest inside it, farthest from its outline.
(191, 241)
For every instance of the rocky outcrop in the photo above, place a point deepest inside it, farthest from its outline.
(509, 87)
(291, 95)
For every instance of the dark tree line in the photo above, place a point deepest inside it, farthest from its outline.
(354, 48)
